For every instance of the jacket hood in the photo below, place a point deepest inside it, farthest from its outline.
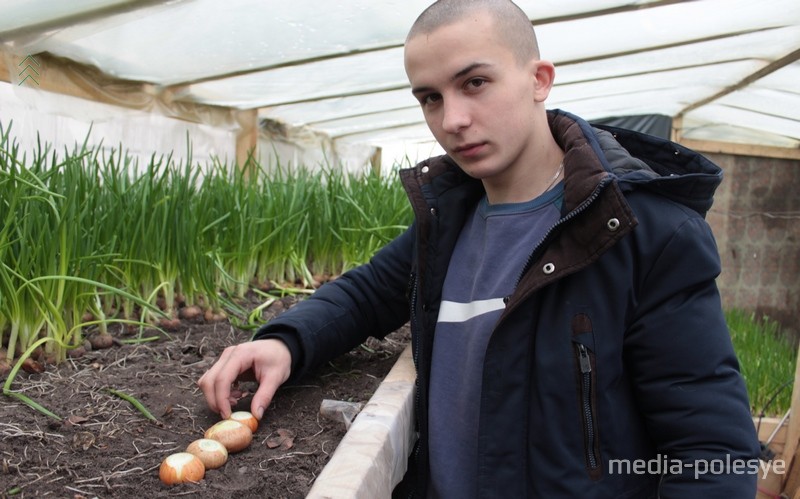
(640, 160)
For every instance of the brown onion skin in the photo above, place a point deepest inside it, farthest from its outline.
(234, 435)
(246, 418)
(181, 467)
(211, 452)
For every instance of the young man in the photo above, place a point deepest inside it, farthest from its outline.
(559, 281)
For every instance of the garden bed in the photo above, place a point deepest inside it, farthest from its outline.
(105, 447)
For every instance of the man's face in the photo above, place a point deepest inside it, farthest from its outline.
(478, 100)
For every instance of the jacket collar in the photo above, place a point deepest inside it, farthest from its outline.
(637, 159)
(591, 155)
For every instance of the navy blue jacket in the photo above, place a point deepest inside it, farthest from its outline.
(611, 371)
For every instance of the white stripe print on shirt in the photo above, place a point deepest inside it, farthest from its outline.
(451, 311)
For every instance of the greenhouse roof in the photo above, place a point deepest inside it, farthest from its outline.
(724, 70)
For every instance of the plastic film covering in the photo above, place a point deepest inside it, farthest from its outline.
(337, 66)
(184, 41)
(22, 13)
(356, 74)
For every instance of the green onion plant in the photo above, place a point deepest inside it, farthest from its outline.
(767, 361)
(89, 237)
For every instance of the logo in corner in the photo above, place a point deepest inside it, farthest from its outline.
(29, 71)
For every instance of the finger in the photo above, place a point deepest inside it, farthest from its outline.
(263, 396)
(222, 385)
(215, 389)
(206, 381)
(272, 377)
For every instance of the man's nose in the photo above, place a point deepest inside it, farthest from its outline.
(456, 116)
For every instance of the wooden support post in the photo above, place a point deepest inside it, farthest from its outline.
(677, 128)
(375, 161)
(5, 72)
(791, 449)
(247, 140)
(791, 485)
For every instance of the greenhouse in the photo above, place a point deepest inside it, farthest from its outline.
(176, 174)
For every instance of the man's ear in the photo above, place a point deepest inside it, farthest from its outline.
(544, 74)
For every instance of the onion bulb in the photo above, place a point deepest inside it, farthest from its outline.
(234, 435)
(211, 452)
(181, 467)
(246, 418)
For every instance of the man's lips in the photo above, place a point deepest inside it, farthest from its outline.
(469, 150)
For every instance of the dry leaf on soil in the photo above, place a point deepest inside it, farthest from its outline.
(282, 439)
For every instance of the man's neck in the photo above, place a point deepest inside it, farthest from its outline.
(529, 183)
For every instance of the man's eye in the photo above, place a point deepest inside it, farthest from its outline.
(430, 99)
(475, 83)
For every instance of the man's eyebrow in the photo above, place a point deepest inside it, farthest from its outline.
(469, 69)
(420, 90)
(459, 74)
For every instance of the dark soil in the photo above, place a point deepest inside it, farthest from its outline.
(104, 447)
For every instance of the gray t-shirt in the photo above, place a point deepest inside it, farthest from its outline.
(490, 253)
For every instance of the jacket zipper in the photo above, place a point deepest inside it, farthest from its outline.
(417, 360)
(586, 402)
(577, 211)
(418, 327)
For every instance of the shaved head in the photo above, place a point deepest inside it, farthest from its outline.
(510, 22)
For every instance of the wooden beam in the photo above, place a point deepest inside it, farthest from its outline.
(288, 64)
(377, 129)
(761, 73)
(589, 14)
(653, 48)
(360, 115)
(709, 146)
(354, 93)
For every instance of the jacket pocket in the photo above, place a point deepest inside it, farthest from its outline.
(582, 341)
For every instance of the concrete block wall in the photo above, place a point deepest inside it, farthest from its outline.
(756, 220)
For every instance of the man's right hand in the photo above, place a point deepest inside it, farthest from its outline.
(267, 362)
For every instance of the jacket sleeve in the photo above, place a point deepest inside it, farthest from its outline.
(370, 300)
(686, 374)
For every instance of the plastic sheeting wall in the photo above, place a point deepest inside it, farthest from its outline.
(65, 122)
(292, 147)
